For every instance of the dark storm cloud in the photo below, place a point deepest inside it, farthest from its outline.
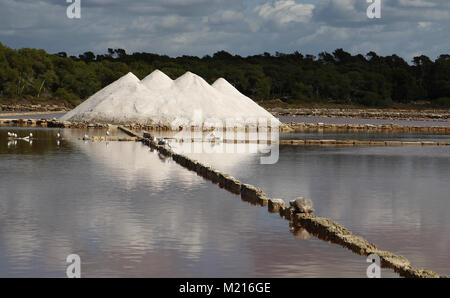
(199, 27)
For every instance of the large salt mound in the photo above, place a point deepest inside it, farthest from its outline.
(116, 103)
(157, 99)
(254, 109)
(192, 95)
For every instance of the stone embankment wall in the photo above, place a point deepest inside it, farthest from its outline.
(286, 128)
(321, 127)
(358, 143)
(417, 115)
(31, 108)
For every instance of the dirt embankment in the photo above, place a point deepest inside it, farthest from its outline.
(32, 108)
(388, 114)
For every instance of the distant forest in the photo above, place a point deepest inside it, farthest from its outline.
(338, 77)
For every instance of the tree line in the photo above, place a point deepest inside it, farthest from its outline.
(338, 77)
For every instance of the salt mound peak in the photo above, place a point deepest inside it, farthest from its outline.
(189, 80)
(157, 80)
(128, 79)
(224, 86)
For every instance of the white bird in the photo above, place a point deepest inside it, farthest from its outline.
(213, 137)
(107, 133)
(58, 135)
(15, 135)
(86, 137)
(31, 135)
(164, 142)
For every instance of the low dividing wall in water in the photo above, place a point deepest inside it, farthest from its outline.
(388, 114)
(321, 127)
(323, 228)
(358, 143)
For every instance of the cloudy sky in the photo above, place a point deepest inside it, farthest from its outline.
(244, 27)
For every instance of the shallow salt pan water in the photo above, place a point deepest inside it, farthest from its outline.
(396, 197)
(347, 120)
(129, 212)
(371, 136)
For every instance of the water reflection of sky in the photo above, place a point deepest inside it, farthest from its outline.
(127, 212)
(369, 136)
(396, 197)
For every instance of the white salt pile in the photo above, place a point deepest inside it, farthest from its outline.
(157, 99)
(226, 88)
(116, 103)
(157, 80)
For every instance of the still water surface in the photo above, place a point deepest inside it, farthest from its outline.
(129, 212)
(396, 197)
(347, 120)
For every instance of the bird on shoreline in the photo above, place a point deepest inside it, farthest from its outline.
(213, 137)
(12, 135)
(164, 142)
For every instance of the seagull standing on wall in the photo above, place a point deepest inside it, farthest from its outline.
(213, 137)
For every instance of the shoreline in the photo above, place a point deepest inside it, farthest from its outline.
(291, 127)
(412, 114)
(31, 108)
(381, 114)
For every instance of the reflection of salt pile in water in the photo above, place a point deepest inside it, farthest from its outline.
(157, 99)
(132, 163)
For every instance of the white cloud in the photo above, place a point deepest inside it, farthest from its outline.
(417, 3)
(200, 27)
(285, 11)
